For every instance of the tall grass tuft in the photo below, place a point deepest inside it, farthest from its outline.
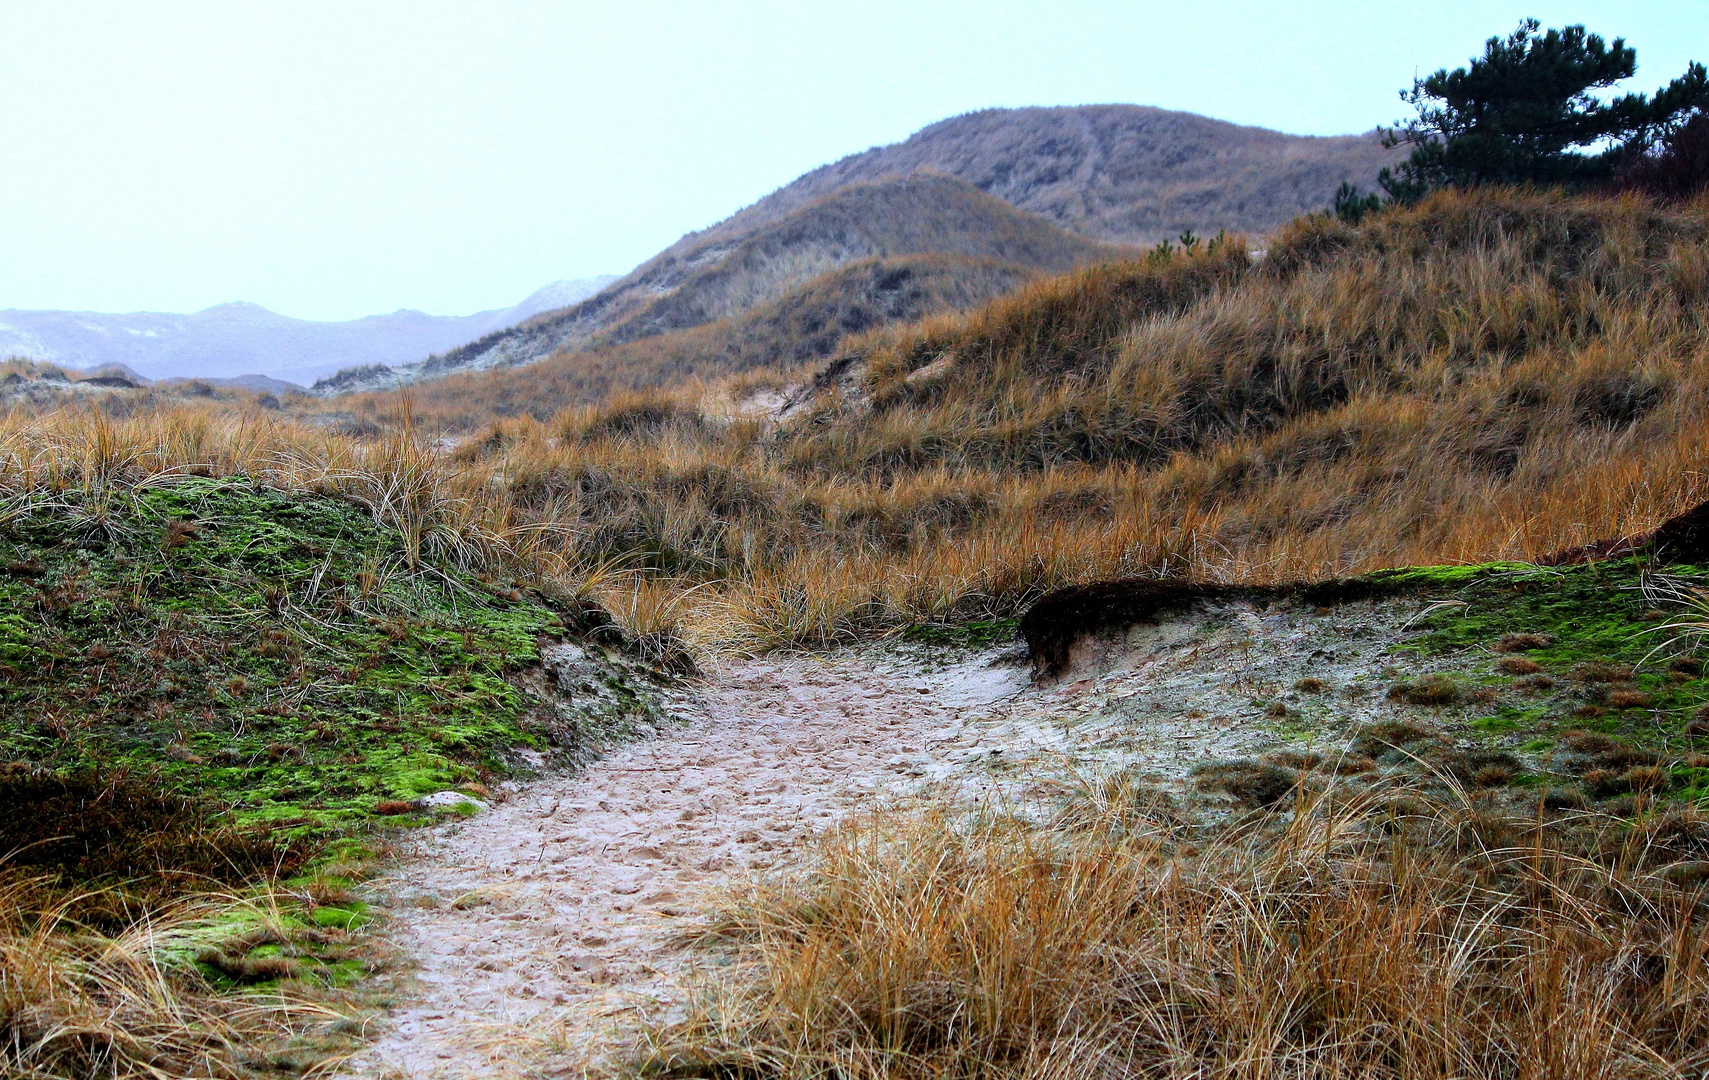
(128, 1005)
(1378, 934)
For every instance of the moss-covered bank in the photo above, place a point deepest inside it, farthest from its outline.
(276, 650)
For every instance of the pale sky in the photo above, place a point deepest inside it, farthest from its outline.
(330, 160)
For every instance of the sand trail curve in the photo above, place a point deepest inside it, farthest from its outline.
(544, 932)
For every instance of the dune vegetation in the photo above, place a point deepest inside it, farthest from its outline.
(1485, 375)
(803, 327)
(1355, 931)
(1482, 376)
(234, 655)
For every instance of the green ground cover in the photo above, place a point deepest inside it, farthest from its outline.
(1588, 673)
(273, 650)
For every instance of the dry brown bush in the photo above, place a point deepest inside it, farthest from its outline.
(1341, 936)
(127, 1005)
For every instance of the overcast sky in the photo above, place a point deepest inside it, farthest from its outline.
(330, 160)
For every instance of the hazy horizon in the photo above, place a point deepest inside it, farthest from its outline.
(545, 285)
(329, 164)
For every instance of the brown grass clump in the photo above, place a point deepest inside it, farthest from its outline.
(148, 845)
(1518, 665)
(1509, 643)
(1251, 783)
(1627, 699)
(1377, 739)
(1599, 672)
(78, 1003)
(1430, 690)
(1336, 940)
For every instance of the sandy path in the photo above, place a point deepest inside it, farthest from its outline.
(543, 929)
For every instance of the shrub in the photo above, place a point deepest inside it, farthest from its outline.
(116, 827)
(1252, 783)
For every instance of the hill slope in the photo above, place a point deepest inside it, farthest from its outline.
(804, 326)
(233, 340)
(684, 288)
(1114, 174)
(1487, 376)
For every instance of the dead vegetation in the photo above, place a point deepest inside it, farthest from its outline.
(127, 1002)
(1385, 934)
(1484, 376)
(804, 327)
(140, 845)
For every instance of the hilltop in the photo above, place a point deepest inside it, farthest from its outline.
(1122, 174)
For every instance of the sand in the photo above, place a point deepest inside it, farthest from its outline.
(546, 931)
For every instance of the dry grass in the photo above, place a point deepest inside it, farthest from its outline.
(1484, 376)
(78, 1003)
(1379, 934)
(806, 326)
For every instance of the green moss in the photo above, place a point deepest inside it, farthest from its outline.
(1438, 577)
(273, 649)
(977, 634)
(1495, 724)
(351, 915)
(1589, 631)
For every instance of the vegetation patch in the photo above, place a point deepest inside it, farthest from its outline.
(276, 651)
(1604, 697)
(922, 947)
(974, 634)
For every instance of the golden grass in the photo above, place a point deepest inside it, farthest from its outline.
(1378, 934)
(1484, 376)
(79, 1003)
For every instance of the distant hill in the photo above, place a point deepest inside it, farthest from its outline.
(686, 287)
(234, 340)
(1107, 174)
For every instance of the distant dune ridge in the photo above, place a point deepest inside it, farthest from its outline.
(236, 340)
(690, 285)
(803, 326)
(1039, 188)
